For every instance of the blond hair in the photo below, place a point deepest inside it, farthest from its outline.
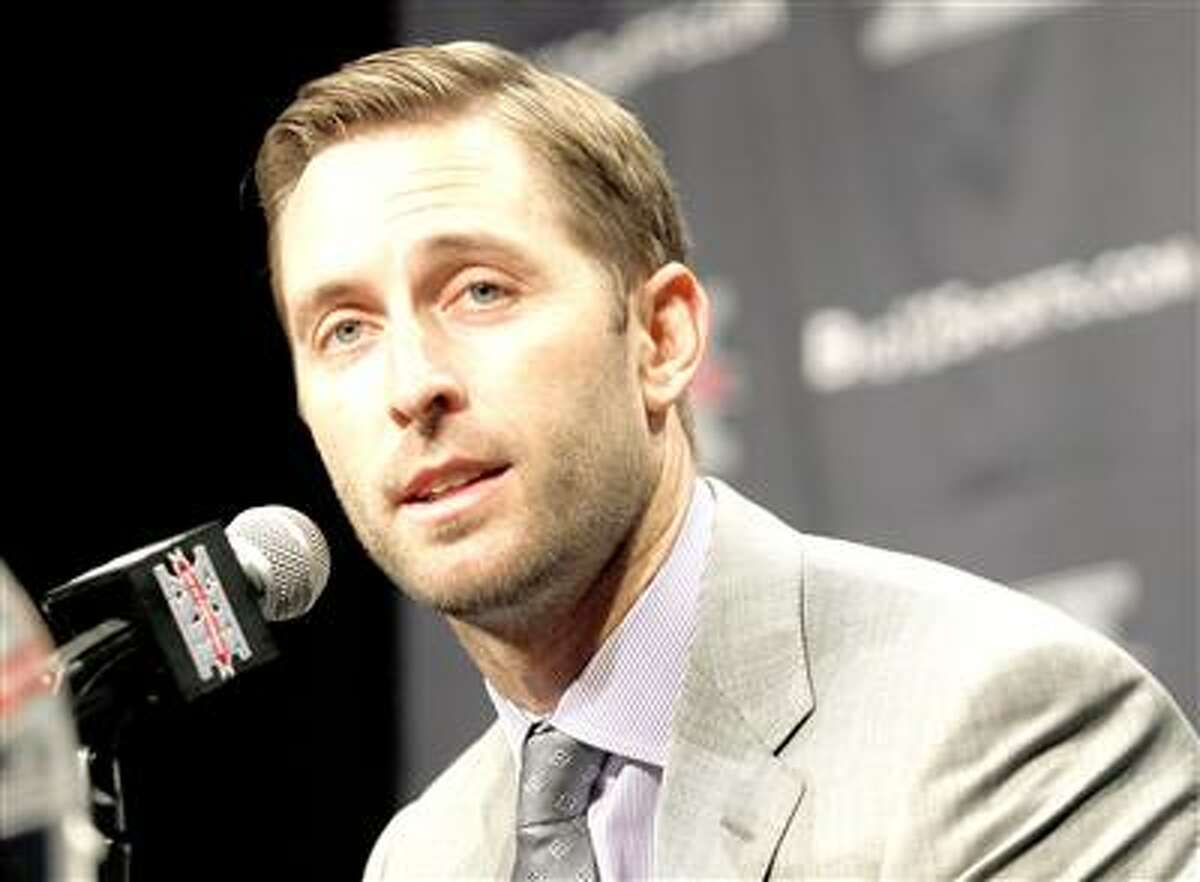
(621, 203)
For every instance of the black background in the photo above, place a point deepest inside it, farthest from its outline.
(147, 390)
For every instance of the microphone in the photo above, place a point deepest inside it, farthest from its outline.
(199, 601)
(285, 556)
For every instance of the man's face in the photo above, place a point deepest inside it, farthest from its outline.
(458, 362)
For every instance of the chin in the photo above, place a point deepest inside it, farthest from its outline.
(456, 588)
(499, 598)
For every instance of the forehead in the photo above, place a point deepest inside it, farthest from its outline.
(396, 187)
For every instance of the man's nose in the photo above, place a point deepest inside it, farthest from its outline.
(423, 386)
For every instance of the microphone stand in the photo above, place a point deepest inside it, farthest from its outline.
(107, 690)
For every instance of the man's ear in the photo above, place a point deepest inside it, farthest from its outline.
(673, 314)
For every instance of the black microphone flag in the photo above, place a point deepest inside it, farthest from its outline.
(188, 593)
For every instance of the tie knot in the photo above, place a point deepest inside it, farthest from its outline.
(557, 776)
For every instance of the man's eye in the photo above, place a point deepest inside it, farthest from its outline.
(346, 332)
(484, 293)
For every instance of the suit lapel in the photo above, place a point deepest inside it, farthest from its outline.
(490, 803)
(727, 796)
(497, 844)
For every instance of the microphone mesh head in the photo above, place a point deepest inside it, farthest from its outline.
(294, 557)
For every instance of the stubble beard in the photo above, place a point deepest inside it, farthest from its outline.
(584, 513)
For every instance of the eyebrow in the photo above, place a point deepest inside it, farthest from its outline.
(312, 302)
(475, 244)
(481, 243)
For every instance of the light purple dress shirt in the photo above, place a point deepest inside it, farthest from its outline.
(623, 700)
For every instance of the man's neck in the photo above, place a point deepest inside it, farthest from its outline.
(534, 668)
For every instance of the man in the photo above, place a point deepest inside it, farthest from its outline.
(480, 268)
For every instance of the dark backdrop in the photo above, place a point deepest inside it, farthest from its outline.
(147, 390)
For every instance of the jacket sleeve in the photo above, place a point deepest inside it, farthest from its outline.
(1068, 761)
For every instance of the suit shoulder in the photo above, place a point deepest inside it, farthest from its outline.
(868, 611)
(854, 592)
(959, 634)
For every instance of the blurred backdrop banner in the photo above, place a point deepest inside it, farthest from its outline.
(953, 253)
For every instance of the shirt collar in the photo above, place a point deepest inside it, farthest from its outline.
(622, 701)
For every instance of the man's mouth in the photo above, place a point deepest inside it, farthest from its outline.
(435, 484)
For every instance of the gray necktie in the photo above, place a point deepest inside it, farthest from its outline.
(557, 776)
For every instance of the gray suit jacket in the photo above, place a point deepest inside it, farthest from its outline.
(851, 713)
